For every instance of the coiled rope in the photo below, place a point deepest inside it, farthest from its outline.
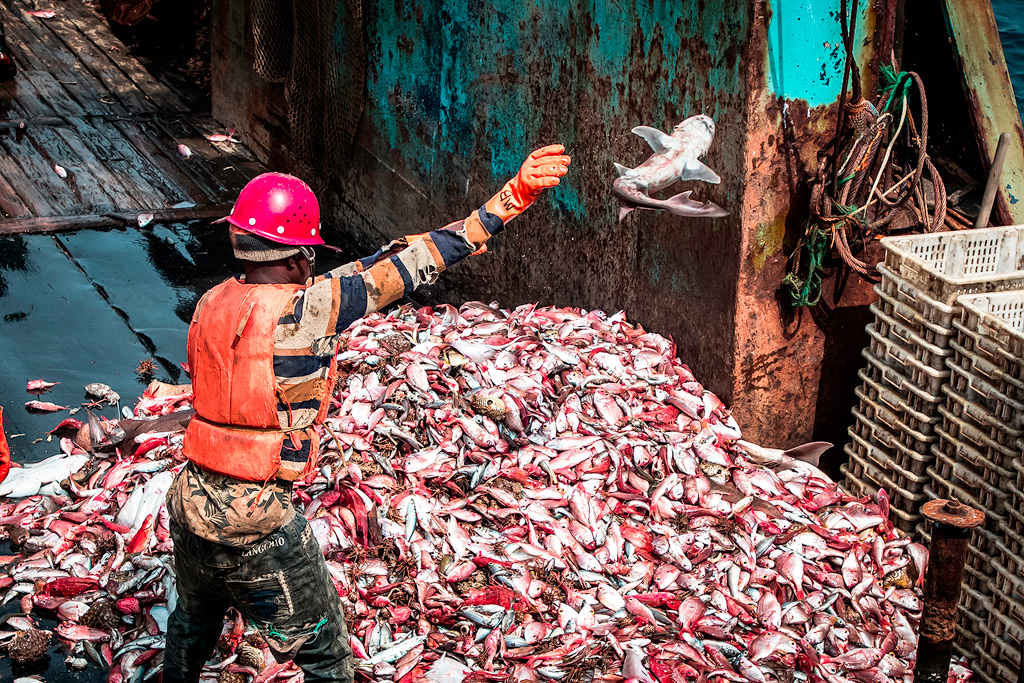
(874, 143)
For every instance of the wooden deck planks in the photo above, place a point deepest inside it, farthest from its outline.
(26, 182)
(82, 101)
(83, 188)
(11, 204)
(87, 22)
(54, 94)
(21, 96)
(36, 44)
(54, 224)
(115, 150)
(227, 178)
(100, 66)
(160, 154)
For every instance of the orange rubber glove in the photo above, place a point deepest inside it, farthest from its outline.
(542, 169)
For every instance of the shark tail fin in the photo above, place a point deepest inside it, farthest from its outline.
(809, 452)
(622, 170)
(682, 205)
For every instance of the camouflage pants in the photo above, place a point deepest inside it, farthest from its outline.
(280, 584)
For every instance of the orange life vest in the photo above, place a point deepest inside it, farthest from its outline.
(236, 430)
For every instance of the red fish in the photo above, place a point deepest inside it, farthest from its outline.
(43, 406)
(39, 385)
(70, 586)
(67, 423)
(223, 137)
(5, 450)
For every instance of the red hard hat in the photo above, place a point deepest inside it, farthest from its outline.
(279, 207)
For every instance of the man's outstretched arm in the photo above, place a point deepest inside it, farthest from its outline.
(416, 260)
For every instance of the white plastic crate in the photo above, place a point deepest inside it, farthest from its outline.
(947, 264)
(993, 326)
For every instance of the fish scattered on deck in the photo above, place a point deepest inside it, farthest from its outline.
(43, 406)
(223, 137)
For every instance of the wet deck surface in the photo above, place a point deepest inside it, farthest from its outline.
(87, 305)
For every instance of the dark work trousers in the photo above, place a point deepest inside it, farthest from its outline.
(280, 584)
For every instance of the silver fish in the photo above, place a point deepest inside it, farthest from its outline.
(676, 157)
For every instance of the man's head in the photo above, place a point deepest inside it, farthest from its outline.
(275, 221)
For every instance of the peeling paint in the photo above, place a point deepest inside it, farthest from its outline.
(805, 48)
(768, 238)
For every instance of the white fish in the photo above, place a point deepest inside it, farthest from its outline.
(60, 170)
(144, 219)
(395, 652)
(145, 500)
(184, 151)
(676, 157)
(26, 481)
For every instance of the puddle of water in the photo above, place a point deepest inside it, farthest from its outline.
(89, 306)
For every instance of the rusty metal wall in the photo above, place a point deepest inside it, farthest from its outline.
(458, 93)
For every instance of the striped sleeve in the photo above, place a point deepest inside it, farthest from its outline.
(402, 266)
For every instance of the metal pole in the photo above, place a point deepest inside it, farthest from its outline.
(992, 184)
(951, 530)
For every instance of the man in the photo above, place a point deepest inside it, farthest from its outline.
(7, 68)
(261, 351)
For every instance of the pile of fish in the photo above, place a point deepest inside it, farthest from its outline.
(532, 495)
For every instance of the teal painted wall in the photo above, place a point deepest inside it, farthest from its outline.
(456, 84)
(805, 48)
(458, 93)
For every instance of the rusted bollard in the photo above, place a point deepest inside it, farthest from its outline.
(952, 523)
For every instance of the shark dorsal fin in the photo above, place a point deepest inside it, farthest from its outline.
(809, 452)
(622, 170)
(659, 142)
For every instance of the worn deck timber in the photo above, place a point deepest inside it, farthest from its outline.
(85, 294)
(82, 102)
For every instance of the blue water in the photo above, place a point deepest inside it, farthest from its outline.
(1010, 18)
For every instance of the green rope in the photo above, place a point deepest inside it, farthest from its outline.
(283, 638)
(893, 82)
(806, 290)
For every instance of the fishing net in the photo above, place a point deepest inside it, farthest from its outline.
(316, 48)
(272, 39)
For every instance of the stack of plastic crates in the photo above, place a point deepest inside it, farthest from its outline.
(897, 421)
(979, 461)
(908, 411)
